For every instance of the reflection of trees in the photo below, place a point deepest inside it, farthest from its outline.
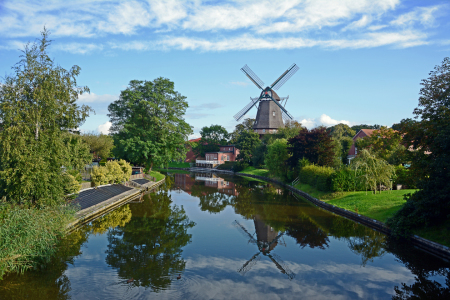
(423, 267)
(211, 200)
(50, 282)
(148, 248)
(118, 217)
(306, 233)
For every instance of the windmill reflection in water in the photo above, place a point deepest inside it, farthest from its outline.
(266, 240)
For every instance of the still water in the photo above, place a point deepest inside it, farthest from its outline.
(205, 236)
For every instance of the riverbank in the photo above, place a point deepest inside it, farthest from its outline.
(430, 240)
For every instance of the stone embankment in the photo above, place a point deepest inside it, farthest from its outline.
(424, 244)
(95, 202)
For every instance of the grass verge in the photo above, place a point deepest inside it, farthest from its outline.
(158, 176)
(254, 171)
(174, 171)
(178, 165)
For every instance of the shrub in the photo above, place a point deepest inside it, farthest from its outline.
(76, 174)
(126, 169)
(100, 176)
(404, 176)
(71, 185)
(115, 171)
(344, 179)
(228, 165)
(317, 176)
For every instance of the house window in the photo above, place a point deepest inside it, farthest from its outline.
(356, 151)
(264, 131)
(273, 113)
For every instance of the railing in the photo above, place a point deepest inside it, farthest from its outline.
(296, 180)
(208, 178)
(201, 161)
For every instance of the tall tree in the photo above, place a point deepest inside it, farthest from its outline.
(277, 155)
(148, 123)
(385, 143)
(341, 130)
(247, 124)
(431, 203)
(247, 142)
(211, 138)
(357, 128)
(315, 145)
(99, 144)
(37, 109)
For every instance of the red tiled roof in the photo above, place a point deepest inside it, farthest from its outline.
(368, 132)
(195, 140)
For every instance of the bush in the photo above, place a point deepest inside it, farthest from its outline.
(404, 177)
(344, 179)
(228, 165)
(318, 177)
(112, 172)
(71, 185)
(76, 174)
(126, 169)
(100, 176)
(28, 236)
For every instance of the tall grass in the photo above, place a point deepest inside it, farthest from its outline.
(28, 236)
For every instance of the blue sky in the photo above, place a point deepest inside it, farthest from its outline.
(361, 61)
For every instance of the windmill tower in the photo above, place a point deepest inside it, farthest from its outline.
(271, 111)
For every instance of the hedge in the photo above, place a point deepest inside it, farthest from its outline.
(318, 177)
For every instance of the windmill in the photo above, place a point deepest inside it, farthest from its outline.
(266, 240)
(271, 111)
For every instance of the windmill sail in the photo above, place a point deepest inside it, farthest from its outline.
(252, 76)
(286, 115)
(245, 110)
(284, 77)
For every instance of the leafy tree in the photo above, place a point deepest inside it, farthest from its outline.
(373, 171)
(211, 138)
(357, 128)
(429, 205)
(341, 130)
(247, 143)
(147, 123)
(259, 155)
(385, 143)
(246, 125)
(37, 109)
(277, 155)
(315, 145)
(99, 144)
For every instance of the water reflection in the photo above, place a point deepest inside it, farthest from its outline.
(288, 245)
(266, 240)
(146, 251)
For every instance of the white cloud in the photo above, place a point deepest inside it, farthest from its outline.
(323, 120)
(94, 98)
(104, 128)
(78, 48)
(221, 26)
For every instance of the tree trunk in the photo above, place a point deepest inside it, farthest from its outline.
(36, 134)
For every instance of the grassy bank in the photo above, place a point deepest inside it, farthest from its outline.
(254, 171)
(178, 165)
(158, 176)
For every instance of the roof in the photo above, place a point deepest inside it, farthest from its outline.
(195, 140)
(368, 132)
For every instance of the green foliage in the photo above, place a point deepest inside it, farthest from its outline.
(148, 123)
(100, 144)
(404, 176)
(28, 236)
(385, 143)
(112, 172)
(71, 185)
(76, 174)
(259, 155)
(211, 138)
(254, 171)
(372, 171)
(100, 175)
(345, 179)
(357, 128)
(430, 205)
(158, 176)
(291, 129)
(126, 170)
(315, 145)
(37, 108)
(247, 142)
(228, 165)
(340, 131)
(277, 155)
(246, 125)
(319, 177)
(175, 164)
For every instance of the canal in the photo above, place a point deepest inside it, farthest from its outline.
(209, 236)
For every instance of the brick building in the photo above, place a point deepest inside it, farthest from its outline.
(212, 159)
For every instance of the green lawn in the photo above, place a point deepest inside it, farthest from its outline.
(158, 176)
(254, 171)
(174, 171)
(178, 165)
